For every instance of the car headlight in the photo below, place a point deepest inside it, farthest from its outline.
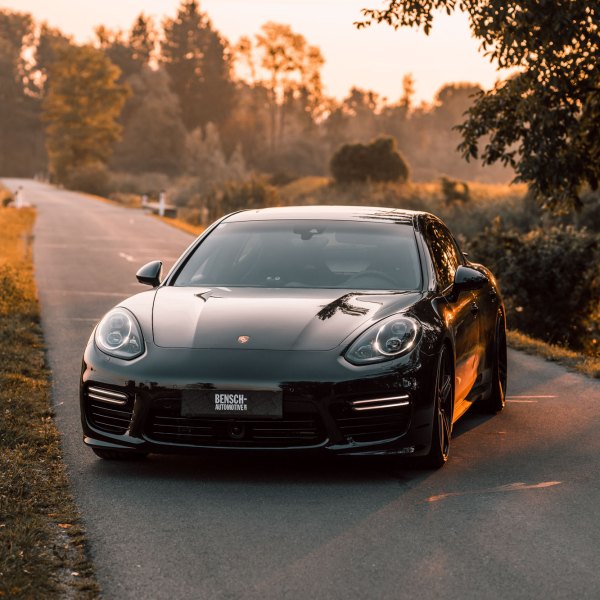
(386, 340)
(119, 335)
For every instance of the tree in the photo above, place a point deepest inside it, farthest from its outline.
(204, 154)
(290, 70)
(20, 133)
(545, 120)
(130, 52)
(49, 41)
(248, 125)
(452, 101)
(206, 160)
(153, 132)
(378, 161)
(198, 63)
(142, 40)
(81, 109)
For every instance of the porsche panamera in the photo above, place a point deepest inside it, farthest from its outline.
(319, 329)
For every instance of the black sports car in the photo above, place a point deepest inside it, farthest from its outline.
(344, 330)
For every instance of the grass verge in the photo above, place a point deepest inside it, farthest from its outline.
(6, 195)
(588, 365)
(42, 546)
(195, 230)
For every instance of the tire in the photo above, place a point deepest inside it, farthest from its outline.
(496, 399)
(441, 433)
(118, 454)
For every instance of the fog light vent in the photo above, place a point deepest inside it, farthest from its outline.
(104, 395)
(380, 403)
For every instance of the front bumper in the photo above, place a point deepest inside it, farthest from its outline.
(136, 406)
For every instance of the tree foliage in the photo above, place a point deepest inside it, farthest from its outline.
(153, 132)
(131, 51)
(545, 120)
(198, 63)
(378, 161)
(20, 132)
(81, 109)
(561, 263)
(49, 41)
(269, 110)
(232, 196)
(289, 68)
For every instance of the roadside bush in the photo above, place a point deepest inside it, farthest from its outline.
(378, 161)
(92, 178)
(454, 191)
(150, 183)
(550, 279)
(229, 197)
(6, 196)
(281, 178)
(590, 212)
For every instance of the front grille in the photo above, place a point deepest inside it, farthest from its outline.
(165, 424)
(371, 426)
(108, 410)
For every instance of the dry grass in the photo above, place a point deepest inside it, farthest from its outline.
(42, 547)
(299, 189)
(588, 365)
(315, 190)
(183, 225)
(6, 195)
(465, 219)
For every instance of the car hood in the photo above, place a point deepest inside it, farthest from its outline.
(267, 319)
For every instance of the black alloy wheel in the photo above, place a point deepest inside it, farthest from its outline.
(496, 399)
(443, 412)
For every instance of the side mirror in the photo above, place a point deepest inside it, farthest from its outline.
(468, 279)
(151, 273)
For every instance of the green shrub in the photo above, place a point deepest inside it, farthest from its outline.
(550, 279)
(149, 183)
(252, 193)
(590, 212)
(454, 191)
(378, 161)
(92, 178)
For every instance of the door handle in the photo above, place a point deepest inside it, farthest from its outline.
(474, 309)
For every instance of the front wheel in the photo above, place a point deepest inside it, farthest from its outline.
(442, 413)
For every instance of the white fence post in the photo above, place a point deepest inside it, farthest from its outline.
(161, 204)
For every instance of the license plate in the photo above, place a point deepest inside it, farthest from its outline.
(231, 403)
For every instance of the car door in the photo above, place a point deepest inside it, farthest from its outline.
(461, 313)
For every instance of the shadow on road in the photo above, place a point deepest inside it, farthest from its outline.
(267, 470)
(470, 421)
(284, 470)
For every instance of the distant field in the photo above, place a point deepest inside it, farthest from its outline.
(467, 217)
(312, 190)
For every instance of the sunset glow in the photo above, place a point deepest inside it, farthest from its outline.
(375, 58)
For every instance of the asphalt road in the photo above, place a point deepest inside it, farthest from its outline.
(515, 514)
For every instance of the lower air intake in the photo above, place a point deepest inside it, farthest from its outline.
(108, 410)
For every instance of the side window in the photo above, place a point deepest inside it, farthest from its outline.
(444, 253)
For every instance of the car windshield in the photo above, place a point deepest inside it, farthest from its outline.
(305, 254)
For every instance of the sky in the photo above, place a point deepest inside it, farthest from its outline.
(375, 58)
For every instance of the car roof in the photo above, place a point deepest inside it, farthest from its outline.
(334, 213)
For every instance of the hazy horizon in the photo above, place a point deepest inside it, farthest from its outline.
(375, 59)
